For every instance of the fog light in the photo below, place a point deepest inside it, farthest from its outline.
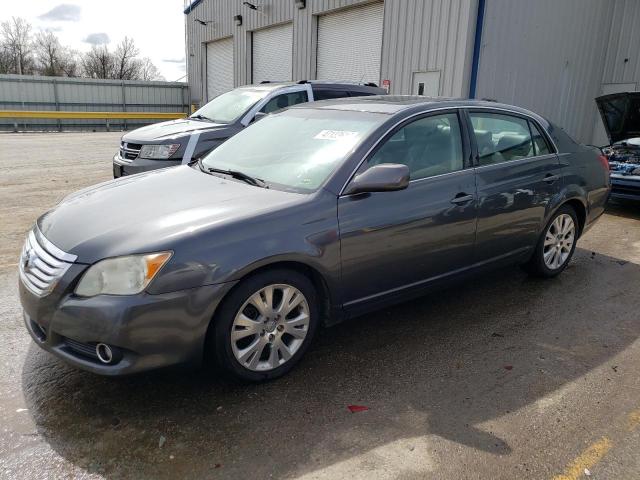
(104, 353)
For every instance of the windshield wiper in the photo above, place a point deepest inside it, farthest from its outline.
(256, 182)
(201, 117)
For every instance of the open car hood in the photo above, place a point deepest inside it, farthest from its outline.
(620, 114)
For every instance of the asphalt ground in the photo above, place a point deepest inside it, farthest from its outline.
(501, 377)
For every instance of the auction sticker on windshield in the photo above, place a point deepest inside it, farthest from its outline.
(334, 135)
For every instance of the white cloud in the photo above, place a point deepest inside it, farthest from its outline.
(97, 38)
(64, 12)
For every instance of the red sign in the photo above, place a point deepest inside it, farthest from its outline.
(386, 84)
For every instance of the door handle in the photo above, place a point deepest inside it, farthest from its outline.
(461, 198)
(550, 178)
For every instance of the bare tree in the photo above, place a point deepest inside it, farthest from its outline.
(99, 62)
(15, 36)
(48, 54)
(6, 62)
(71, 65)
(126, 66)
(148, 71)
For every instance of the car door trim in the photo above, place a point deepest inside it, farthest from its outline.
(515, 161)
(425, 282)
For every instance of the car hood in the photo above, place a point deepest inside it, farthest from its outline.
(153, 211)
(620, 114)
(172, 128)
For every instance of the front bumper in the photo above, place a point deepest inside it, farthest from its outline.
(625, 187)
(145, 331)
(122, 167)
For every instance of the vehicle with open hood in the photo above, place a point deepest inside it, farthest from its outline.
(620, 114)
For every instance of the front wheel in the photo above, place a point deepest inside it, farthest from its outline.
(265, 325)
(556, 245)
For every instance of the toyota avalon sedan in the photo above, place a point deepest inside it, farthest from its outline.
(311, 216)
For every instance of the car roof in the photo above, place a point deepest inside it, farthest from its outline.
(392, 104)
(269, 85)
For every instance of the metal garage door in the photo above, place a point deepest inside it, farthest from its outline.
(219, 67)
(272, 52)
(350, 44)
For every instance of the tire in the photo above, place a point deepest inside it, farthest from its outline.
(544, 262)
(255, 339)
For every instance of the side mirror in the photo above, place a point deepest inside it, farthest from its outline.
(259, 116)
(386, 177)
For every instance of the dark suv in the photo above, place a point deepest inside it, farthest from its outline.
(176, 142)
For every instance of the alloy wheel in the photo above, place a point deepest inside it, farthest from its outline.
(558, 241)
(270, 327)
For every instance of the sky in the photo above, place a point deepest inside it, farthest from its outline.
(157, 26)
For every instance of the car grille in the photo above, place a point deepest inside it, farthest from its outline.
(129, 151)
(87, 350)
(42, 264)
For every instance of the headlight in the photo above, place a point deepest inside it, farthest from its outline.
(121, 275)
(158, 152)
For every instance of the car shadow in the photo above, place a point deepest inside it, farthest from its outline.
(441, 365)
(624, 208)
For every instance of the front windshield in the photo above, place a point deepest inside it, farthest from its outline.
(296, 149)
(226, 108)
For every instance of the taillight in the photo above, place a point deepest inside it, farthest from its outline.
(604, 161)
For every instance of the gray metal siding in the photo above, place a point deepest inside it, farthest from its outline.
(623, 49)
(546, 55)
(429, 35)
(418, 35)
(25, 92)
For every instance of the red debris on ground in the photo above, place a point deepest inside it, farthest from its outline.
(357, 408)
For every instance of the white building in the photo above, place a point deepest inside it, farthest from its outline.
(552, 56)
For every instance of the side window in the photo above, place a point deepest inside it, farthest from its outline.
(501, 138)
(429, 146)
(285, 100)
(326, 94)
(539, 142)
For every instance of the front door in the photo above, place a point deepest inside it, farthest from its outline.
(393, 241)
(517, 175)
(426, 83)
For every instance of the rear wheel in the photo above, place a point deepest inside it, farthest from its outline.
(265, 325)
(556, 245)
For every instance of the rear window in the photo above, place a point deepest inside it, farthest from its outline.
(327, 94)
(501, 138)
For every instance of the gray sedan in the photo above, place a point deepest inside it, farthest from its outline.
(308, 217)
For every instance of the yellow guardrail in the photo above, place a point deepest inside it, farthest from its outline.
(90, 115)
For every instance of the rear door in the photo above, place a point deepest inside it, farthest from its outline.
(517, 174)
(393, 241)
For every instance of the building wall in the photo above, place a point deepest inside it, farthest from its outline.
(418, 35)
(622, 63)
(429, 35)
(272, 12)
(549, 56)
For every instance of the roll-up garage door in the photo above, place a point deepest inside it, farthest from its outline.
(219, 67)
(350, 44)
(272, 52)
